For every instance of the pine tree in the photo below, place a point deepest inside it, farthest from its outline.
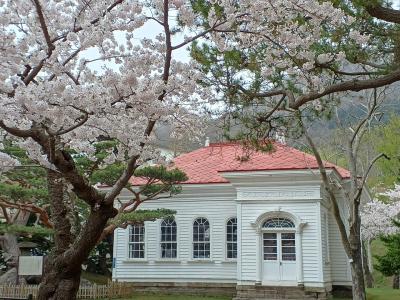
(389, 264)
(24, 195)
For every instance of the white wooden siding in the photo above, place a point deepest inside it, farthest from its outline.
(217, 208)
(341, 273)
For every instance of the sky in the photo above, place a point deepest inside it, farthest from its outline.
(149, 30)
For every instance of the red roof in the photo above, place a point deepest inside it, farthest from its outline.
(205, 164)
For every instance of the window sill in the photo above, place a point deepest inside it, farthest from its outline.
(199, 261)
(176, 261)
(229, 261)
(133, 260)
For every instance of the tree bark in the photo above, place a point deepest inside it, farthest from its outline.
(396, 281)
(369, 280)
(63, 267)
(9, 245)
(357, 274)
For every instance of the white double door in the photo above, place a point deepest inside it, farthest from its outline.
(279, 257)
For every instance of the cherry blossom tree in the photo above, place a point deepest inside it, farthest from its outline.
(77, 72)
(57, 101)
(377, 220)
(377, 216)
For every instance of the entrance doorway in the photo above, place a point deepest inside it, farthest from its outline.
(279, 251)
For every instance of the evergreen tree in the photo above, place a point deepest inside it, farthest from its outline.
(389, 264)
(24, 195)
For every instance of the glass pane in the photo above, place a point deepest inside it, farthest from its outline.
(288, 236)
(288, 243)
(201, 250)
(289, 257)
(269, 236)
(270, 242)
(201, 230)
(270, 250)
(288, 249)
(168, 250)
(231, 238)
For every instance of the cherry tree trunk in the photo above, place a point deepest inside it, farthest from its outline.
(357, 274)
(369, 280)
(62, 269)
(396, 281)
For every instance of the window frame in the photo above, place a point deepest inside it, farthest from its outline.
(279, 220)
(160, 241)
(144, 242)
(209, 242)
(230, 242)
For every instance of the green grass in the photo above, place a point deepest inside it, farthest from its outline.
(373, 294)
(379, 294)
(383, 294)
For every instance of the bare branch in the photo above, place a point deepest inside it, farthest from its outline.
(203, 33)
(39, 11)
(330, 189)
(15, 131)
(83, 120)
(365, 176)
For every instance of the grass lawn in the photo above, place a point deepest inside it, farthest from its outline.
(373, 294)
(173, 297)
(383, 294)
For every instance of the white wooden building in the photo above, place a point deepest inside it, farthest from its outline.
(245, 219)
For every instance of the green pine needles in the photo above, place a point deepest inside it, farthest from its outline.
(389, 264)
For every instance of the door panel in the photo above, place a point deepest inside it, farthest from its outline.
(288, 256)
(270, 257)
(279, 256)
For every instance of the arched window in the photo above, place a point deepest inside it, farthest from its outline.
(169, 246)
(201, 238)
(136, 241)
(231, 238)
(278, 223)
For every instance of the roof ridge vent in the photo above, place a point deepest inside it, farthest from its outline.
(207, 142)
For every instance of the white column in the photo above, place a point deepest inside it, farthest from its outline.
(299, 256)
(259, 258)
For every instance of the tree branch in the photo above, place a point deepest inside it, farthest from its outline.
(365, 176)
(351, 85)
(5, 213)
(383, 13)
(50, 46)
